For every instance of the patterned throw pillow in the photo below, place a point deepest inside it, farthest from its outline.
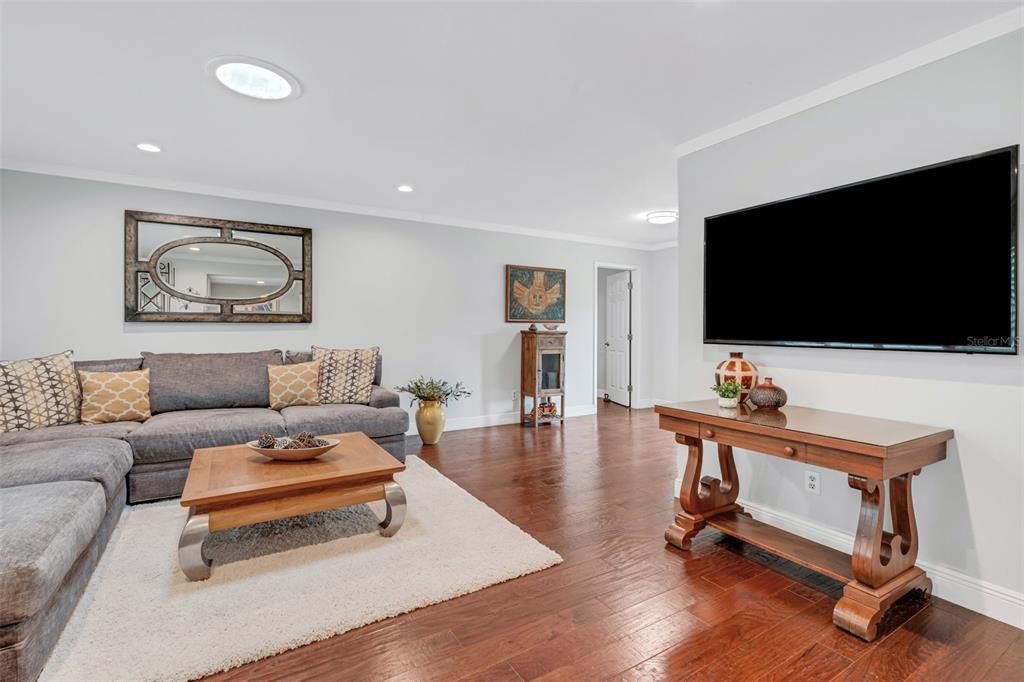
(38, 392)
(297, 384)
(115, 396)
(346, 376)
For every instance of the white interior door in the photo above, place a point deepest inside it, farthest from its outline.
(617, 330)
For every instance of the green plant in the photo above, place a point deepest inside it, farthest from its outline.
(433, 389)
(727, 389)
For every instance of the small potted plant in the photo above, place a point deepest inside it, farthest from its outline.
(728, 393)
(432, 395)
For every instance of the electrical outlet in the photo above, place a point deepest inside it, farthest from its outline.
(812, 481)
(515, 400)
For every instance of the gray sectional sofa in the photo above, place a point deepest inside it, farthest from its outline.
(62, 488)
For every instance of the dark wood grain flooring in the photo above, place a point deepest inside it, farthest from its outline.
(625, 606)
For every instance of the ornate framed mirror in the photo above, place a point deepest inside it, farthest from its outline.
(186, 269)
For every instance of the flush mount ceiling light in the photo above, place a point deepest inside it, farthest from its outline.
(404, 188)
(254, 78)
(147, 147)
(661, 217)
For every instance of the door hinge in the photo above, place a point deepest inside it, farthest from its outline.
(629, 285)
(629, 337)
(629, 388)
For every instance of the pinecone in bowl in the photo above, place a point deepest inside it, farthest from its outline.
(266, 440)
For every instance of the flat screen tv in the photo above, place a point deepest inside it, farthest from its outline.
(920, 260)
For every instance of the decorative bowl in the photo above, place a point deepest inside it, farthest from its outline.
(293, 454)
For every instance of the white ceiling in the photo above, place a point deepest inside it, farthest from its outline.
(553, 116)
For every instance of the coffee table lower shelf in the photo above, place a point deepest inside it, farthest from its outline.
(203, 521)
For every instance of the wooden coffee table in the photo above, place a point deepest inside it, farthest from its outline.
(235, 486)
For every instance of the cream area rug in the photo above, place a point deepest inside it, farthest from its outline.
(279, 585)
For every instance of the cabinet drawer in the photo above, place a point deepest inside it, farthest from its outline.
(752, 441)
(550, 342)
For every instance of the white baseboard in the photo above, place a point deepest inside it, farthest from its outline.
(952, 585)
(461, 423)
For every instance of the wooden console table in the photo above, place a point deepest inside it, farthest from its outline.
(875, 453)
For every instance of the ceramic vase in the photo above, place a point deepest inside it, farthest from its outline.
(739, 369)
(768, 396)
(430, 421)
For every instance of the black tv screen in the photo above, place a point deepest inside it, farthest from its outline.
(919, 260)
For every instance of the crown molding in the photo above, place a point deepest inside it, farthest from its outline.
(320, 204)
(993, 28)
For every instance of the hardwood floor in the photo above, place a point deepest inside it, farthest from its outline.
(624, 605)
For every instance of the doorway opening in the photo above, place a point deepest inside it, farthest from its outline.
(615, 334)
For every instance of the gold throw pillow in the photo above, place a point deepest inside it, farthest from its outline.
(346, 376)
(297, 384)
(115, 396)
(39, 392)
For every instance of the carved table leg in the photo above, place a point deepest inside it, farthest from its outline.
(702, 498)
(883, 562)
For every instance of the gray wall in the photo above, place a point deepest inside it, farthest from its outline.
(969, 507)
(430, 295)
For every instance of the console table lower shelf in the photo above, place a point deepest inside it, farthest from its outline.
(878, 455)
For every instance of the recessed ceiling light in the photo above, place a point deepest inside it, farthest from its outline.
(260, 281)
(148, 147)
(662, 217)
(404, 188)
(254, 78)
(193, 248)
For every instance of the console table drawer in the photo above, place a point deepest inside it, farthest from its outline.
(752, 441)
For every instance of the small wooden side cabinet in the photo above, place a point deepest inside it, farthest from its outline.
(876, 454)
(542, 377)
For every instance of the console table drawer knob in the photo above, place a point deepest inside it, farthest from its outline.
(788, 451)
(709, 433)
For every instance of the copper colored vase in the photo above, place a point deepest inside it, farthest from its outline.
(768, 396)
(737, 368)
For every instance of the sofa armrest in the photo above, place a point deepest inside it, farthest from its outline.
(384, 397)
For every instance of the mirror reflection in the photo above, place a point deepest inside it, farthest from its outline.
(218, 270)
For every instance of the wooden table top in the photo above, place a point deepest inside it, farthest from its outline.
(234, 473)
(883, 433)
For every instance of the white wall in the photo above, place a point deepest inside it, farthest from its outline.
(430, 296)
(969, 507)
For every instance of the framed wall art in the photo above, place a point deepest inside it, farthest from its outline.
(534, 294)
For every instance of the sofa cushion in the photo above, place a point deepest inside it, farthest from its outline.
(198, 381)
(173, 436)
(39, 392)
(97, 460)
(326, 419)
(292, 357)
(117, 431)
(384, 397)
(115, 365)
(43, 530)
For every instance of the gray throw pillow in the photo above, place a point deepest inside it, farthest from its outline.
(196, 381)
